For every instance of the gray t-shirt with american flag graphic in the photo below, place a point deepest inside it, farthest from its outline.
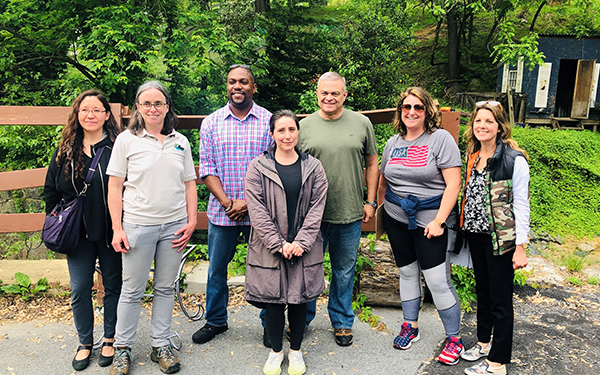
(414, 167)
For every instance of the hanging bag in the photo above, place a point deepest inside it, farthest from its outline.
(62, 226)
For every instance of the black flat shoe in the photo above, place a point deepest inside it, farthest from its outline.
(104, 361)
(82, 364)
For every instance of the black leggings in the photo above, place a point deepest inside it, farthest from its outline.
(275, 321)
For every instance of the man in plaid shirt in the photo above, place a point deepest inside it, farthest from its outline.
(230, 138)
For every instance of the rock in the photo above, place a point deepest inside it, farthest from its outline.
(589, 272)
(581, 254)
(586, 247)
(532, 236)
(558, 240)
(544, 236)
(533, 249)
(544, 272)
(380, 283)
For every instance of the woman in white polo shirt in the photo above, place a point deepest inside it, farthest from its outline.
(153, 219)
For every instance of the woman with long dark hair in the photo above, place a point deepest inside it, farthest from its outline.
(495, 218)
(91, 126)
(153, 219)
(286, 192)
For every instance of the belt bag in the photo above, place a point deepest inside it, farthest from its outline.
(62, 226)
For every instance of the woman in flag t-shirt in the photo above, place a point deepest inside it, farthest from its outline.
(421, 180)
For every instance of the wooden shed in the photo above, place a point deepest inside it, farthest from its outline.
(564, 92)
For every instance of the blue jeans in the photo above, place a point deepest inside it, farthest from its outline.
(344, 240)
(222, 241)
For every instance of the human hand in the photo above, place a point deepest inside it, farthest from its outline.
(519, 258)
(433, 229)
(119, 241)
(288, 250)
(368, 213)
(297, 250)
(238, 211)
(186, 233)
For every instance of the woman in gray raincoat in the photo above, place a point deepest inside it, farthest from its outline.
(286, 192)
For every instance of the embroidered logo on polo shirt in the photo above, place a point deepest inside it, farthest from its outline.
(178, 147)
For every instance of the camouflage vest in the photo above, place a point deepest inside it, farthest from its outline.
(499, 196)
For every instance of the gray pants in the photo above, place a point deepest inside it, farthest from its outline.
(148, 243)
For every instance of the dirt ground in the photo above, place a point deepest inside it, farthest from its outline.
(557, 332)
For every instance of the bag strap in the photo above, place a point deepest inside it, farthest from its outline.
(92, 170)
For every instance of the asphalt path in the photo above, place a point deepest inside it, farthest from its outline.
(40, 348)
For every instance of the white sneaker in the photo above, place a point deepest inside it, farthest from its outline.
(297, 366)
(273, 364)
(476, 352)
(484, 368)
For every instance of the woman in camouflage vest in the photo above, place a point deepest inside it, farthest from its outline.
(495, 218)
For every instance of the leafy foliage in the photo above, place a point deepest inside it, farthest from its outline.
(463, 279)
(24, 288)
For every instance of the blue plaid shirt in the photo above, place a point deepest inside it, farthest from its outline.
(227, 145)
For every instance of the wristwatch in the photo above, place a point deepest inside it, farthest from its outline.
(372, 204)
(441, 223)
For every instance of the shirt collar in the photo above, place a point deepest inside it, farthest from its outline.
(144, 133)
(253, 111)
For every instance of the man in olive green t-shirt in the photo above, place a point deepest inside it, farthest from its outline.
(344, 142)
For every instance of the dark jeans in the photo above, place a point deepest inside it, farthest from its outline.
(275, 322)
(82, 263)
(494, 276)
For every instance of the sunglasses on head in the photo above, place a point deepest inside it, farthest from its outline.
(417, 107)
(492, 103)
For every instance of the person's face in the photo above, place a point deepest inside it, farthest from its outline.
(285, 134)
(485, 126)
(413, 113)
(240, 88)
(331, 96)
(153, 107)
(92, 114)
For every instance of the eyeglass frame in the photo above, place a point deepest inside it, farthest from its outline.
(95, 112)
(158, 105)
(492, 103)
(407, 107)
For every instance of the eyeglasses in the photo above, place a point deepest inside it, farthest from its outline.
(491, 103)
(95, 112)
(148, 105)
(247, 67)
(417, 107)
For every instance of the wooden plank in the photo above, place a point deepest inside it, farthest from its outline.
(13, 223)
(451, 122)
(202, 221)
(22, 179)
(583, 88)
(511, 109)
(27, 115)
(538, 121)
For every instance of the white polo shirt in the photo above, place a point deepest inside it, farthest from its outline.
(154, 175)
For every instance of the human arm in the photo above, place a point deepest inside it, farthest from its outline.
(51, 194)
(262, 222)
(383, 184)
(311, 225)
(372, 174)
(239, 207)
(521, 210)
(191, 201)
(115, 207)
(452, 180)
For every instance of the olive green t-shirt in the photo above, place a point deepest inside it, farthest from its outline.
(341, 145)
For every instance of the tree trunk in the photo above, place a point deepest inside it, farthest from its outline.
(537, 13)
(453, 54)
(262, 6)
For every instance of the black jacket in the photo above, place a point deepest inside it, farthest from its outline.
(97, 225)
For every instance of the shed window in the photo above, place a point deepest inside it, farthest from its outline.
(512, 80)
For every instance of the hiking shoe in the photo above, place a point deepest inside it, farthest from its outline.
(476, 352)
(164, 356)
(343, 336)
(452, 351)
(484, 368)
(406, 337)
(266, 338)
(297, 366)
(121, 362)
(273, 364)
(207, 333)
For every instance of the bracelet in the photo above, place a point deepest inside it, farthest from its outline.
(372, 204)
(230, 206)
